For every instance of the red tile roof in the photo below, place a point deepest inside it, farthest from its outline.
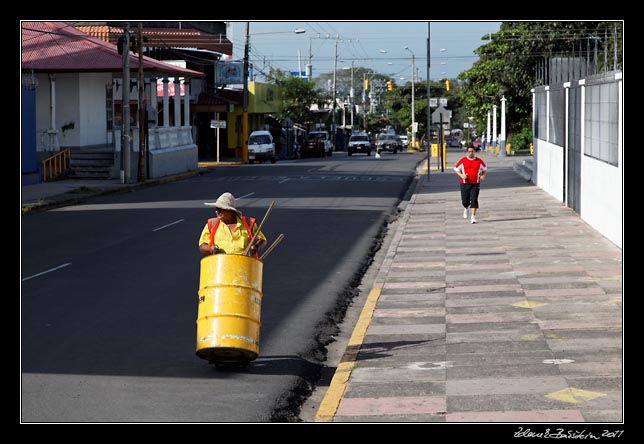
(165, 37)
(58, 47)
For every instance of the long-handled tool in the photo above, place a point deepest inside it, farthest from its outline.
(273, 245)
(259, 228)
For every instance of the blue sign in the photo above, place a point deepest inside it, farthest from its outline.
(302, 75)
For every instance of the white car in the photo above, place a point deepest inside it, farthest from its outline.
(261, 146)
(405, 141)
(318, 143)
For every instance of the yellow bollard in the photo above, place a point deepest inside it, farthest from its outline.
(230, 298)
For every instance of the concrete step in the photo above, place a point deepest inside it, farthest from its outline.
(91, 164)
(524, 169)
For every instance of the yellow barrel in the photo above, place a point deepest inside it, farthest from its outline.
(230, 298)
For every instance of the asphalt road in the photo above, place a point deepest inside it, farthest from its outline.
(109, 291)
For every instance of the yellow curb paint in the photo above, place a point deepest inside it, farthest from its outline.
(615, 302)
(574, 396)
(333, 395)
(213, 164)
(528, 304)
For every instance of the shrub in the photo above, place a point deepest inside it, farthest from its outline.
(521, 140)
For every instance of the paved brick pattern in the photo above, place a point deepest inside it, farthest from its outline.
(515, 319)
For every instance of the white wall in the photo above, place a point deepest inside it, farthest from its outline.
(80, 98)
(93, 119)
(549, 167)
(601, 198)
(67, 110)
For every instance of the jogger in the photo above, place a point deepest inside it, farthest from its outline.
(472, 171)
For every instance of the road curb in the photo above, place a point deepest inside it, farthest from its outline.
(333, 396)
(62, 200)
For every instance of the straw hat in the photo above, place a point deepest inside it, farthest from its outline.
(226, 202)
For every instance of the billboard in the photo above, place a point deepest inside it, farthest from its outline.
(228, 73)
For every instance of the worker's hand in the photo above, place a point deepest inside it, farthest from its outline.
(482, 176)
(464, 176)
(214, 249)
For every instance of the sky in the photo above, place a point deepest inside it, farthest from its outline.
(374, 45)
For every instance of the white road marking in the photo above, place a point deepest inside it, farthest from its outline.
(167, 225)
(285, 180)
(558, 361)
(246, 195)
(46, 271)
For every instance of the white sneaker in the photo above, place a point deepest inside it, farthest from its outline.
(473, 219)
(465, 213)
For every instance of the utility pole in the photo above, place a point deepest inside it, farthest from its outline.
(142, 113)
(428, 134)
(335, 66)
(245, 99)
(125, 108)
(413, 113)
(352, 95)
(364, 100)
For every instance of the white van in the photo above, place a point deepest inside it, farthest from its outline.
(261, 146)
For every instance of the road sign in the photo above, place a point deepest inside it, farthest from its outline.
(414, 127)
(446, 115)
(442, 101)
(433, 102)
(217, 124)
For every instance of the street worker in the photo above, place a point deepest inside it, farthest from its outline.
(229, 232)
(472, 171)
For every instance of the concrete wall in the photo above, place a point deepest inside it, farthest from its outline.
(174, 160)
(80, 98)
(601, 190)
(171, 151)
(549, 168)
(601, 198)
(93, 119)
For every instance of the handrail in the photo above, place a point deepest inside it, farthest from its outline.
(56, 165)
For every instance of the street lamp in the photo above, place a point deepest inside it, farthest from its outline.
(413, 114)
(351, 92)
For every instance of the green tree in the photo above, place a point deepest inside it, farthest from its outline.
(297, 97)
(508, 64)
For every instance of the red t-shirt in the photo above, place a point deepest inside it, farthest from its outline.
(472, 168)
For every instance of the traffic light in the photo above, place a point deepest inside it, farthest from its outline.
(366, 84)
(390, 85)
(447, 85)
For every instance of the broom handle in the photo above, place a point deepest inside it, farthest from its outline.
(259, 228)
(273, 245)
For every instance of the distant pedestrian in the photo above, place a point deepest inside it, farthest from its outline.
(472, 171)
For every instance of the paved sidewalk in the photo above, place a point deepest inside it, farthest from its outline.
(515, 319)
(60, 193)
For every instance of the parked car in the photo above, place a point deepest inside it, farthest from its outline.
(318, 143)
(261, 146)
(405, 140)
(360, 143)
(476, 143)
(388, 142)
